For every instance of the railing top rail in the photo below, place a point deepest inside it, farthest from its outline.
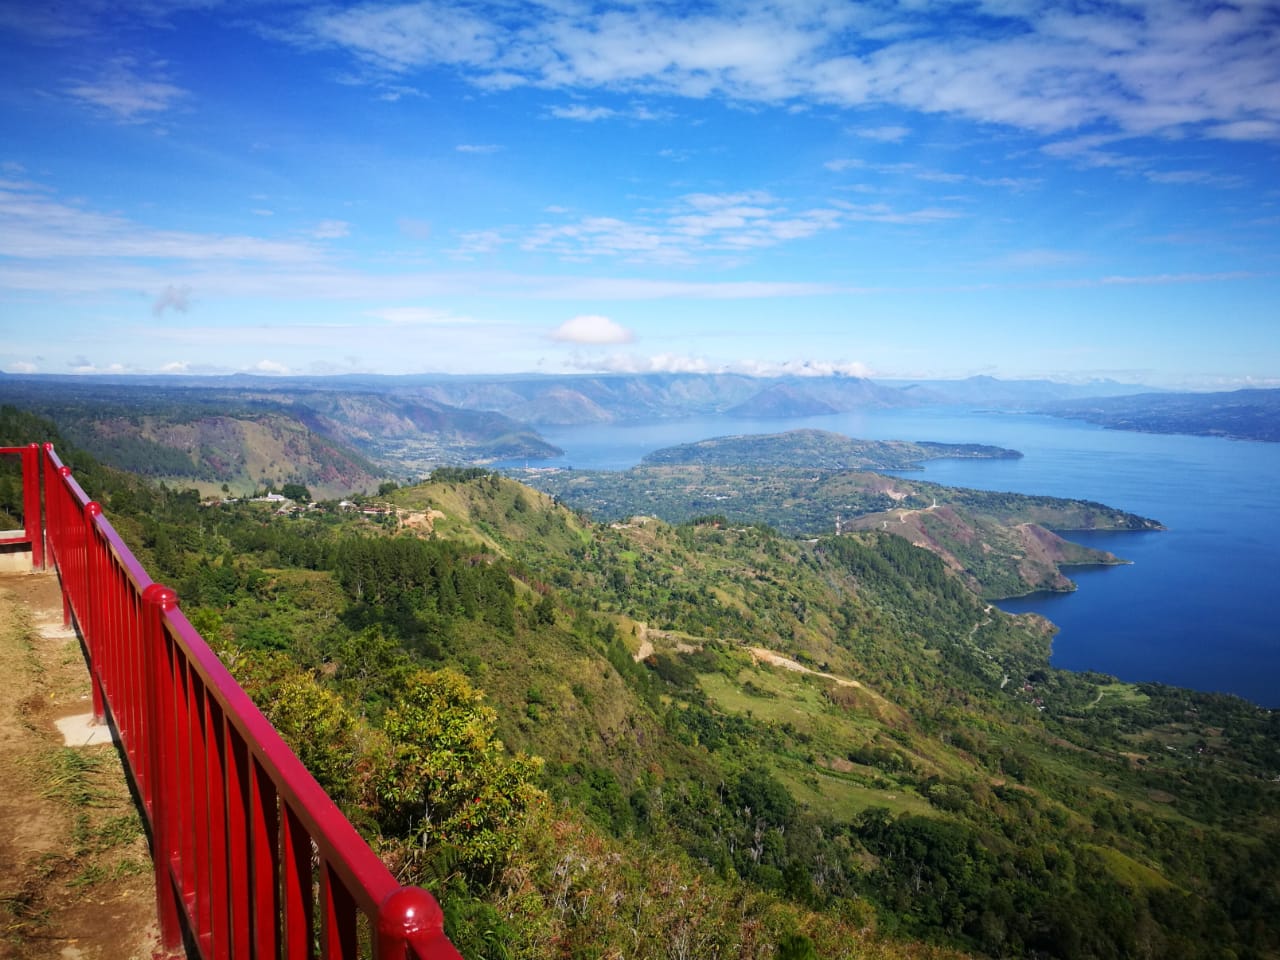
(69, 481)
(124, 556)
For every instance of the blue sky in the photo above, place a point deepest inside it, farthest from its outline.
(896, 189)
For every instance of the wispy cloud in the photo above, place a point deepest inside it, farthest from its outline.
(916, 172)
(34, 225)
(883, 134)
(330, 229)
(122, 91)
(417, 316)
(701, 225)
(636, 363)
(479, 148)
(583, 113)
(1137, 69)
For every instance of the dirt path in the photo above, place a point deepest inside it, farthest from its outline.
(778, 660)
(75, 874)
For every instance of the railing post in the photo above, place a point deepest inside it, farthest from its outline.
(34, 529)
(410, 918)
(66, 565)
(157, 600)
(90, 629)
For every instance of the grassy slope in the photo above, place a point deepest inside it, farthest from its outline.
(956, 718)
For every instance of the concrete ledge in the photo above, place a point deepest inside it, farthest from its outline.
(82, 731)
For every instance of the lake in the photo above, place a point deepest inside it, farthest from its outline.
(1197, 606)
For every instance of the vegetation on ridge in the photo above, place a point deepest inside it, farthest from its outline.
(753, 745)
(811, 483)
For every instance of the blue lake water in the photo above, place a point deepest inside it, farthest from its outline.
(1196, 608)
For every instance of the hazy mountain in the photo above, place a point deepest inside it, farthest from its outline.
(990, 392)
(1241, 414)
(260, 432)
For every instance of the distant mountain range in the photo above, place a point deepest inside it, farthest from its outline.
(1240, 414)
(341, 433)
(566, 400)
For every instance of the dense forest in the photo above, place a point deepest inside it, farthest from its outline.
(710, 739)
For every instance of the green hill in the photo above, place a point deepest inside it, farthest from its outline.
(753, 745)
(1001, 543)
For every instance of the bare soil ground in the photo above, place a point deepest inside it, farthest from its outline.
(75, 874)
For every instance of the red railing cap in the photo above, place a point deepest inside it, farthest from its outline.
(160, 595)
(412, 914)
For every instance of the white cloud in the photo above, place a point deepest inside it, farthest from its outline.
(399, 36)
(1035, 259)
(322, 282)
(883, 213)
(801, 368)
(21, 366)
(416, 316)
(583, 113)
(884, 134)
(686, 363)
(636, 363)
(122, 92)
(693, 227)
(478, 242)
(592, 329)
(35, 226)
(176, 366)
(330, 229)
(1132, 69)
(85, 366)
(479, 148)
(270, 366)
(916, 172)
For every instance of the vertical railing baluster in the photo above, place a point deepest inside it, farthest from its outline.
(338, 933)
(157, 600)
(299, 913)
(264, 852)
(239, 860)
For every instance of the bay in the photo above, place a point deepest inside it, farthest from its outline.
(1197, 606)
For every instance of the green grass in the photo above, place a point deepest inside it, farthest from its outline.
(1129, 871)
(835, 796)
(1119, 694)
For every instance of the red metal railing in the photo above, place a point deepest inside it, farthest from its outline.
(252, 858)
(32, 534)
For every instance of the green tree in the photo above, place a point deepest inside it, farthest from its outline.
(446, 780)
(296, 491)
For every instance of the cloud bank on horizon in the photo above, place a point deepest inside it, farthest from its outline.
(910, 188)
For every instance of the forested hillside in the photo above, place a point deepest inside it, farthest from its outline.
(1001, 544)
(712, 740)
(249, 438)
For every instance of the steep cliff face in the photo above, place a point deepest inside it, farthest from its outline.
(997, 559)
